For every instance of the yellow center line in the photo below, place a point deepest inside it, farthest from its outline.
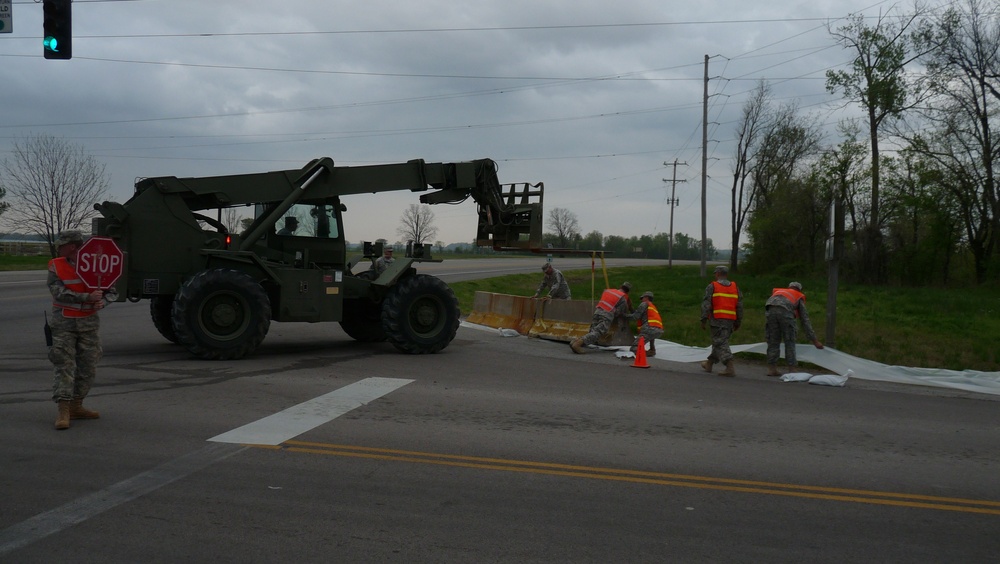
(987, 507)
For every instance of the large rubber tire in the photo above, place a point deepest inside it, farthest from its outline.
(160, 309)
(420, 315)
(363, 317)
(221, 314)
(363, 321)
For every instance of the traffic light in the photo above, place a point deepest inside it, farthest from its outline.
(57, 40)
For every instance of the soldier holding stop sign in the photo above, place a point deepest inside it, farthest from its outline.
(76, 344)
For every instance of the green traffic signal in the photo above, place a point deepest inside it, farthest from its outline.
(51, 44)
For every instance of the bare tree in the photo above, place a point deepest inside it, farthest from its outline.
(417, 224)
(786, 141)
(234, 220)
(565, 225)
(53, 186)
(747, 134)
(3, 205)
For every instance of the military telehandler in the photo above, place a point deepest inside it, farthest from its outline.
(216, 292)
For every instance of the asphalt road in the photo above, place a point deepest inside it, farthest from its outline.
(495, 450)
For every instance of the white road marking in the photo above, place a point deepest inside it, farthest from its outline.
(271, 430)
(77, 511)
(292, 422)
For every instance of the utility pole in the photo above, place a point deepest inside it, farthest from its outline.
(834, 250)
(673, 203)
(704, 173)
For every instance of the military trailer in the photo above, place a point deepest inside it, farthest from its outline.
(216, 292)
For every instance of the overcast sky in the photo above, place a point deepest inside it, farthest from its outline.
(589, 97)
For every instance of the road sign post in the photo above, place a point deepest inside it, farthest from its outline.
(6, 17)
(100, 263)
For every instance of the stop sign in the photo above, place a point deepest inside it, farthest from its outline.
(99, 262)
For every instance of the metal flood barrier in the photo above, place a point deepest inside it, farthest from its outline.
(557, 320)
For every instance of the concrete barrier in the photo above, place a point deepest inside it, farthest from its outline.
(557, 320)
(503, 311)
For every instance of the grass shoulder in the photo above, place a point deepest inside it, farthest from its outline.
(923, 327)
(15, 262)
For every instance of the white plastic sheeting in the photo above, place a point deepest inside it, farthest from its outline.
(841, 362)
(832, 360)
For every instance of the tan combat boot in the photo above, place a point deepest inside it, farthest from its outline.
(652, 350)
(730, 369)
(706, 365)
(62, 422)
(77, 411)
(772, 370)
(577, 346)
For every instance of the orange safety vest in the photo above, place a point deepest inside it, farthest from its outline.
(724, 300)
(653, 317)
(609, 299)
(67, 273)
(792, 295)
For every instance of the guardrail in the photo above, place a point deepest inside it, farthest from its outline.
(23, 248)
(557, 320)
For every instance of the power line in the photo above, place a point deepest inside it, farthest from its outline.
(445, 29)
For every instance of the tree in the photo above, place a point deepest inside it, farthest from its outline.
(593, 241)
(417, 224)
(842, 174)
(964, 62)
(878, 83)
(925, 227)
(787, 239)
(234, 220)
(774, 147)
(689, 248)
(747, 133)
(564, 225)
(616, 244)
(3, 205)
(53, 186)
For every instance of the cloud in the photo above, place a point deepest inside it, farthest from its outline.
(589, 98)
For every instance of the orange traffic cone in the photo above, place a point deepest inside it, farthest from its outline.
(640, 354)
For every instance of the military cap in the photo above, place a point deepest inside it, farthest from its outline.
(795, 286)
(722, 269)
(69, 236)
(546, 267)
(626, 287)
(647, 295)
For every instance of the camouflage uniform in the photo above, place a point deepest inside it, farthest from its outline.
(383, 263)
(556, 281)
(649, 333)
(76, 344)
(722, 329)
(601, 323)
(780, 326)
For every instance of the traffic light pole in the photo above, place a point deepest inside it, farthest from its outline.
(57, 36)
